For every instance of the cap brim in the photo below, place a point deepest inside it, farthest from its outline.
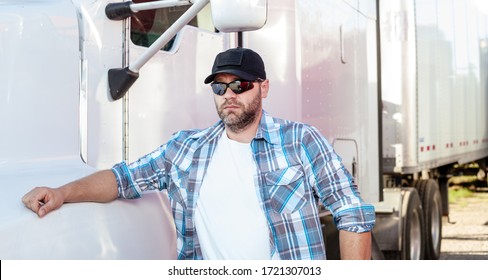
(238, 73)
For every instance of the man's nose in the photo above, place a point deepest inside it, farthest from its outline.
(229, 93)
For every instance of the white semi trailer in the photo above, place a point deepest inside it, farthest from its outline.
(398, 87)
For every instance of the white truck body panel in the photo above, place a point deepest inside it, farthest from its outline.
(36, 109)
(435, 97)
(123, 229)
(101, 48)
(48, 66)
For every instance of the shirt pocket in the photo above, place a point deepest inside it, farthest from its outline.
(286, 189)
(177, 187)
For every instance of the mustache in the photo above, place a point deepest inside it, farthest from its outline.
(230, 103)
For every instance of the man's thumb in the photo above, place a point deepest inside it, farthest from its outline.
(44, 210)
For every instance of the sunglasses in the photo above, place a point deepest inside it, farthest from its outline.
(236, 86)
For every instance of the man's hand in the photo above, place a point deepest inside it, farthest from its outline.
(43, 200)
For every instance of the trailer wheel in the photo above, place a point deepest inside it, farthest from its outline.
(413, 220)
(432, 206)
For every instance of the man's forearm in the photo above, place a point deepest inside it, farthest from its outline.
(97, 187)
(355, 246)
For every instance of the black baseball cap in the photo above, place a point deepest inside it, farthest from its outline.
(242, 62)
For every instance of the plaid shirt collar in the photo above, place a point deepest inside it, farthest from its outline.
(267, 130)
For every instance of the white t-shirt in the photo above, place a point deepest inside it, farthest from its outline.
(228, 218)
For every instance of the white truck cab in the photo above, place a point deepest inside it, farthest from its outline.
(398, 87)
(59, 121)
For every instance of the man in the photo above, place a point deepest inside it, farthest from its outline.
(247, 187)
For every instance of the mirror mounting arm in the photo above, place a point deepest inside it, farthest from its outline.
(123, 10)
(121, 79)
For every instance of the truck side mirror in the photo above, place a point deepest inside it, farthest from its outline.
(239, 15)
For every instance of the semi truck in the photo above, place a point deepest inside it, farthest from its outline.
(398, 88)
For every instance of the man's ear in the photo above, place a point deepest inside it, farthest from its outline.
(264, 88)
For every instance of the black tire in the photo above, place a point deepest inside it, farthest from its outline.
(413, 222)
(412, 219)
(432, 206)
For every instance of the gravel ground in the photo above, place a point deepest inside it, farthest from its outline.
(465, 235)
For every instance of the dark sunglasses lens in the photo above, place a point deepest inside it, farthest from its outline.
(237, 87)
(240, 86)
(219, 88)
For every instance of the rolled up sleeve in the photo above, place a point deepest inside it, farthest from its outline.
(335, 186)
(147, 173)
(355, 218)
(125, 185)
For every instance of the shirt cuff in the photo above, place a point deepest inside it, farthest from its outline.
(355, 218)
(125, 186)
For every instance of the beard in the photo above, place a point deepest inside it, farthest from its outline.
(238, 121)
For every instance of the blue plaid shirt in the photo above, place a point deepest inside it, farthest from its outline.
(297, 168)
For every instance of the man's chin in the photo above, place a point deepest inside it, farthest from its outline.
(230, 120)
(229, 115)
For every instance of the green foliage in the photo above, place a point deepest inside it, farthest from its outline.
(457, 194)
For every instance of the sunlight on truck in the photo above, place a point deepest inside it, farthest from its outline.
(398, 87)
